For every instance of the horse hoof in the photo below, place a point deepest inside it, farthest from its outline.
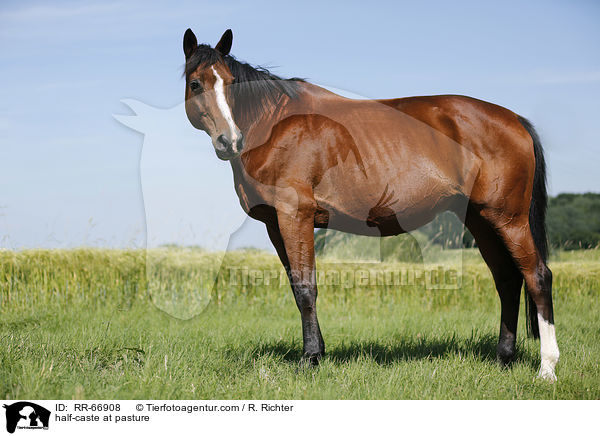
(504, 360)
(310, 360)
(547, 374)
(505, 353)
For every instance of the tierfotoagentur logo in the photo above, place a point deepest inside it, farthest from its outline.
(187, 216)
(198, 215)
(24, 415)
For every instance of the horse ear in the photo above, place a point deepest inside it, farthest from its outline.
(224, 44)
(189, 43)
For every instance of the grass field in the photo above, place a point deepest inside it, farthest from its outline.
(80, 324)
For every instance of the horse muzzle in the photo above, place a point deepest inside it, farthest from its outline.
(226, 148)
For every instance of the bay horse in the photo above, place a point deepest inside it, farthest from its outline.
(305, 158)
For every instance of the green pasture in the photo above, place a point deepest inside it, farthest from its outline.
(107, 324)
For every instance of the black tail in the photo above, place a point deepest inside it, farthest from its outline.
(537, 218)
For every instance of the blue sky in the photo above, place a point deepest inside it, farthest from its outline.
(70, 173)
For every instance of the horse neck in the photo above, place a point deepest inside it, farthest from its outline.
(238, 170)
(243, 185)
(258, 131)
(272, 111)
(308, 100)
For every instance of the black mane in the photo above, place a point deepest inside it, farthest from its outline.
(255, 90)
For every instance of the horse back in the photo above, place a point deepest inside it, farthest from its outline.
(491, 132)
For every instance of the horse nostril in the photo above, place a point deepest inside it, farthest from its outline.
(224, 141)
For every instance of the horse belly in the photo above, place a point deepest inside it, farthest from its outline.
(381, 206)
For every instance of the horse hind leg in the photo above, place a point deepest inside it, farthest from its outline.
(541, 293)
(519, 242)
(507, 278)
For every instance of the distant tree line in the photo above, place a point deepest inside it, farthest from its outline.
(573, 221)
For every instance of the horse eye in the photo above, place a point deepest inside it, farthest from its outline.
(194, 86)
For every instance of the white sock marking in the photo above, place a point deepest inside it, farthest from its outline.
(223, 106)
(548, 348)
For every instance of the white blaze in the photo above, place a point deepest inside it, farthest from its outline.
(548, 348)
(223, 106)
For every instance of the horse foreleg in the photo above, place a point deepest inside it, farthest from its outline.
(293, 239)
